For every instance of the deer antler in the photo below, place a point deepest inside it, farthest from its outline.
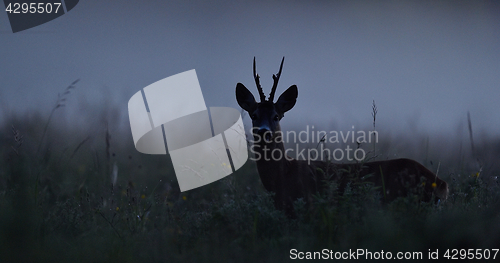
(276, 78)
(257, 81)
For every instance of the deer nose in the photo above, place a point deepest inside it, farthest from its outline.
(265, 134)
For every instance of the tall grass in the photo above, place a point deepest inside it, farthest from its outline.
(59, 202)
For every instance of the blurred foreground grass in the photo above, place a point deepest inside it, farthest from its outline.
(88, 196)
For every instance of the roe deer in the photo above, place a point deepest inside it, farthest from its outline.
(291, 179)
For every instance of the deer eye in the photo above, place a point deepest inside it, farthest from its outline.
(276, 118)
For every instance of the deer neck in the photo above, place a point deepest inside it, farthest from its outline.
(272, 162)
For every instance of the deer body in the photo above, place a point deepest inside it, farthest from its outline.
(292, 179)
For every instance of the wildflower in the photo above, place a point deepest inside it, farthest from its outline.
(184, 198)
(143, 196)
(434, 185)
(117, 208)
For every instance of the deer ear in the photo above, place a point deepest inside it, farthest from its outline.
(245, 98)
(287, 100)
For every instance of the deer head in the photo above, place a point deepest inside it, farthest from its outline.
(266, 114)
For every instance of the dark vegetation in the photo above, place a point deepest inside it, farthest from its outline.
(60, 201)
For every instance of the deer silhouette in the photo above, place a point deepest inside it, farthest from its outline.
(292, 179)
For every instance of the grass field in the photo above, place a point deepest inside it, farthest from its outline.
(86, 195)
